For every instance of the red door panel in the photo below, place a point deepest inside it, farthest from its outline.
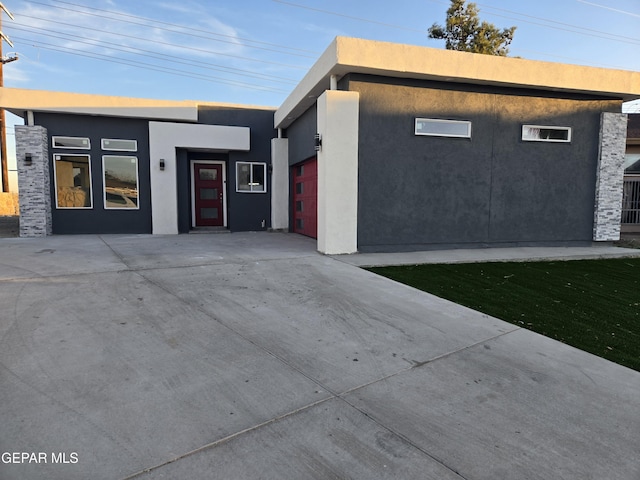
(208, 192)
(305, 198)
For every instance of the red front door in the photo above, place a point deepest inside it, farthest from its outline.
(305, 198)
(208, 195)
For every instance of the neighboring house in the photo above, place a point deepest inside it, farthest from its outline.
(631, 196)
(381, 147)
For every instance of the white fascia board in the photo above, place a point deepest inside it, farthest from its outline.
(310, 87)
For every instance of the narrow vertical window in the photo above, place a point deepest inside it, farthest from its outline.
(120, 174)
(73, 181)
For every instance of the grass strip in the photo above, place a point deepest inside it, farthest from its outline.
(593, 305)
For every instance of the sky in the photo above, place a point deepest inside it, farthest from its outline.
(255, 51)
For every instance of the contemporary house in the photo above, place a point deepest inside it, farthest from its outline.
(381, 147)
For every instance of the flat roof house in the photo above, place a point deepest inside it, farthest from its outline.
(381, 147)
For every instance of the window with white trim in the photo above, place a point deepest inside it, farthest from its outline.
(72, 175)
(544, 133)
(80, 143)
(120, 185)
(119, 145)
(251, 177)
(434, 127)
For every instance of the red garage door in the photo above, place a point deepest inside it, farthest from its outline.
(305, 198)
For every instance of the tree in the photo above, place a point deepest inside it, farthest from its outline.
(465, 32)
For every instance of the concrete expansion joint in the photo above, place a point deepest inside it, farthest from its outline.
(226, 439)
(407, 440)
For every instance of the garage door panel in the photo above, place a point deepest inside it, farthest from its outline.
(305, 198)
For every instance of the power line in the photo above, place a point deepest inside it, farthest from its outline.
(181, 32)
(572, 28)
(612, 9)
(148, 66)
(155, 21)
(159, 42)
(590, 30)
(151, 54)
(360, 19)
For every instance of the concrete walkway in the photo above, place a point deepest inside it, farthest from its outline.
(515, 254)
(251, 356)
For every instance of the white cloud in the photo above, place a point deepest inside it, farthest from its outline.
(15, 74)
(104, 33)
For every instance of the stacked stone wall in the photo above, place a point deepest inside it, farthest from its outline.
(34, 184)
(610, 177)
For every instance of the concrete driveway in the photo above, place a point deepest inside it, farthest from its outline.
(251, 356)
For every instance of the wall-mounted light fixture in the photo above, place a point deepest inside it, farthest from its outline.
(318, 142)
(162, 164)
(28, 159)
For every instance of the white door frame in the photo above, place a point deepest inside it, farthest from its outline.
(193, 190)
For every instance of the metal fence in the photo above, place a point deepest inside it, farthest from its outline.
(631, 200)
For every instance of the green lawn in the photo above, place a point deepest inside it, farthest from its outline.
(593, 305)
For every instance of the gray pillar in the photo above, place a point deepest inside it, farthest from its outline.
(610, 177)
(34, 183)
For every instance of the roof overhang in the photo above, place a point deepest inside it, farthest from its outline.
(353, 55)
(18, 101)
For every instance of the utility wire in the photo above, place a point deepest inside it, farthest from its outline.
(149, 53)
(631, 14)
(159, 42)
(236, 43)
(360, 19)
(590, 30)
(155, 21)
(572, 28)
(149, 66)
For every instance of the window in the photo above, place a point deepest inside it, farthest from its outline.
(443, 128)
(73, 181)
(80, 143)
(119, 145)
(120, 174)
(541, 133)
(632, 163)
(250, 177)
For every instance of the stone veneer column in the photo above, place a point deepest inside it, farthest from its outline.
(610, 176)
(34, 183)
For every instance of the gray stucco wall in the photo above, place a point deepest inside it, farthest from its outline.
(419, 192)
(98, 219)
(246, 211)
(301, 136)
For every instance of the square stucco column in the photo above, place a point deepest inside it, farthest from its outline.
(610, 177)
(338, 114)
(34, 183)
(280, 184)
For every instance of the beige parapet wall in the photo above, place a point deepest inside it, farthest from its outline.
(9, 204)
(353, 55)
(19, 101)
